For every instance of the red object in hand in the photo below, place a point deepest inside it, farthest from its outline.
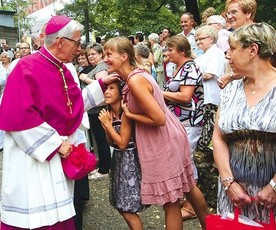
(79, 163)
(216, 222)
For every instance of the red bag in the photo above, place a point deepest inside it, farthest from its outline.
(79, 163)
(215, 222)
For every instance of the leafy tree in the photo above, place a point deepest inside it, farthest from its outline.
(219, 5)
(125, 17)
(109, 17)
(266, 12)
(20, 7)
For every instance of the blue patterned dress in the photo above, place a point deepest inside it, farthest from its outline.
(251, 136)
(125, 176)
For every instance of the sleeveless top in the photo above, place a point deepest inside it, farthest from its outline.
(164, 151)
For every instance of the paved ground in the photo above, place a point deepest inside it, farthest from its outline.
(99, 215)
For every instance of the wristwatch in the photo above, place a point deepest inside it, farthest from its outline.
(273, 184)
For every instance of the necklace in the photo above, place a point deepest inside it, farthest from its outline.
(257, 90)
(65, 86)
(252, 91)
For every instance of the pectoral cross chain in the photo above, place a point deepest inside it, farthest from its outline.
(68, 103)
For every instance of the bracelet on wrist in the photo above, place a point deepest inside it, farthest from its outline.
(227, 179)
(225, 188)
(228, 186)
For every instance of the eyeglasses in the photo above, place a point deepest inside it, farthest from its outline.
(213, 23)
(200, 39)
(24, 48)
(77, 43)
(231, 13)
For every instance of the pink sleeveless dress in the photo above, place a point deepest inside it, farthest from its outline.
(163, 151)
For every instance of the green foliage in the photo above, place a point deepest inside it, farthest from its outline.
(20, 7)
(125, 17)
(266, 12)
(219, 5)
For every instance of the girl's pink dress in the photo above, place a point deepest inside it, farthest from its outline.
(164, 152)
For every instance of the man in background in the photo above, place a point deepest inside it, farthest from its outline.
(188, 24)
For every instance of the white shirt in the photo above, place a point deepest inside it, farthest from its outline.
(191, 38)
(3, 78)
(213, 62)
(12, 65)
(223, 37)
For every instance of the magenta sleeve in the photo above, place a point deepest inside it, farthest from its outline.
(102, 84)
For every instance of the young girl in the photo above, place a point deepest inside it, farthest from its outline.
(162, 143)
(125, 168)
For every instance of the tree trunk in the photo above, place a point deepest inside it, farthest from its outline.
(192, 7)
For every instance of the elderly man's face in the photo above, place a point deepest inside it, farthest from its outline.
(216, 25)
(70, 47)
(186, 23)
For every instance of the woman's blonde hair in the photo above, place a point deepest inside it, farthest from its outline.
(207, 13)
(121, 45)
(262, 34)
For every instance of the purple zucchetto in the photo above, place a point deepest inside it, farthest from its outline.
(56, 23)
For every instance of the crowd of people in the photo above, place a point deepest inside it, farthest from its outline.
(155, 100)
